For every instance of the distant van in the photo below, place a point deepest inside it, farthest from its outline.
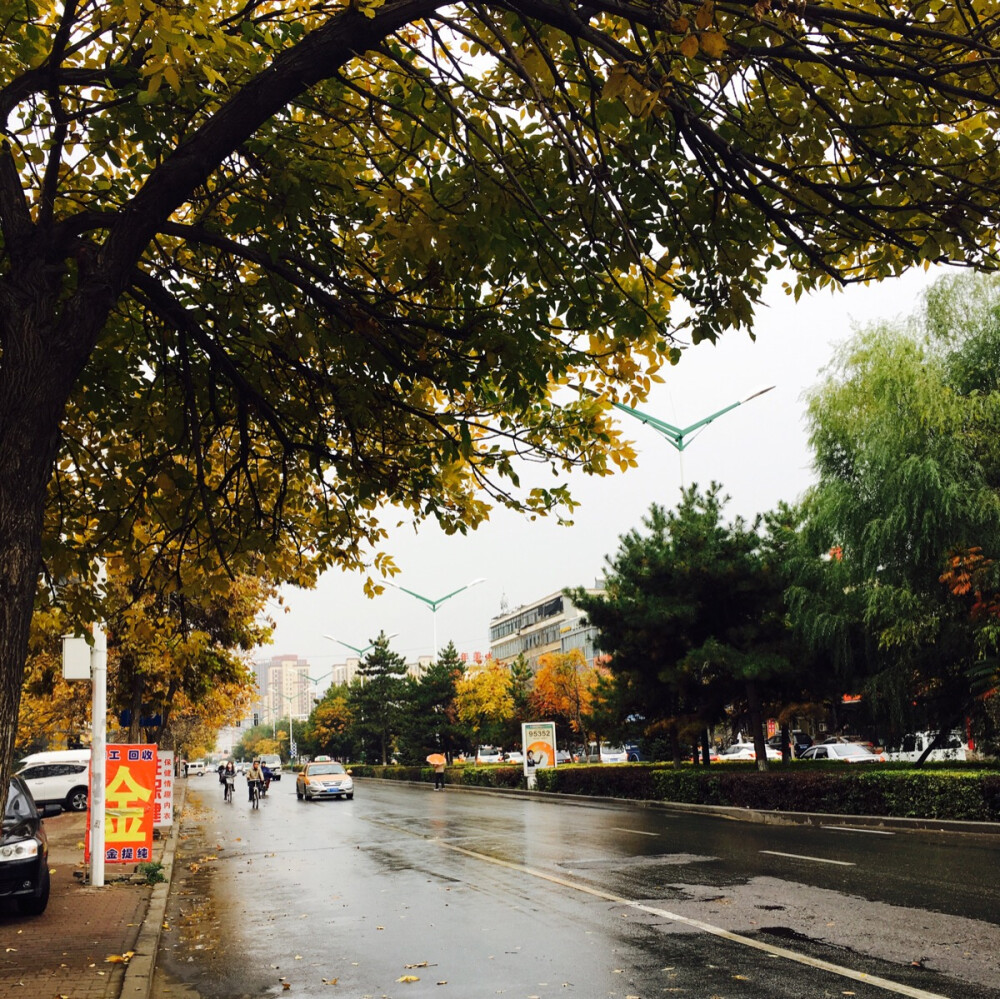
(953, 747)
(273, 763)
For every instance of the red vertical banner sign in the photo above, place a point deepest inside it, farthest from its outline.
(129, 805)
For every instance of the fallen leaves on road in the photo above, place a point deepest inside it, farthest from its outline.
(408, 978)
(329, 981)
(421, 964)
(120, 958)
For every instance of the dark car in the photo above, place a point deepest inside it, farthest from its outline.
(800, 742)
(24, 850)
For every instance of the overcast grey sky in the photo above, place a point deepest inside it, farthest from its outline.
(758, 452)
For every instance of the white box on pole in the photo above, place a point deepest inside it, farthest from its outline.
(75, 658)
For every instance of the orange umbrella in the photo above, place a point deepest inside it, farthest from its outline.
(435, 759)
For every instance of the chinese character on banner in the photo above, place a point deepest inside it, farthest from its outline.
(129, 798)
(163, 807)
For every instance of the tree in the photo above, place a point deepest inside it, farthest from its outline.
(522, 682)
(484, 702)
(430, 723)
(172, 656)
(692, 618)
(331, 723)
(288, 263)
(256, 741)
(376, 699)
(904, 430)
(564, 691)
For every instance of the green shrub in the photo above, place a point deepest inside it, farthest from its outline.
(492, 776)
(970, 793)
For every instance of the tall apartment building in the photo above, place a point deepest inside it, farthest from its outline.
(285, 687)
(343, 673)
(551, 624)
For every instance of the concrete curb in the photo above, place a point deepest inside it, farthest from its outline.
(138, 980)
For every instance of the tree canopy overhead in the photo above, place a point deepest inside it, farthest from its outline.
(285, 261)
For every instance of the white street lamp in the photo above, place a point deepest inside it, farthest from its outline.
(292, 748)
(434, 604)
(354, 648)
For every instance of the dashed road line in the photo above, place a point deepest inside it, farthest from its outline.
(859, 829)
(815, 860)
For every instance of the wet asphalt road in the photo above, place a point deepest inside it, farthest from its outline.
(408, 892)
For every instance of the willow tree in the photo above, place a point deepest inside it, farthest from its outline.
(314, 256)
(905, 429)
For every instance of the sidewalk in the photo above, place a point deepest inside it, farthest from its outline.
(78, 948)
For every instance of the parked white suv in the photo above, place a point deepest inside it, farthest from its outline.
(54, 782)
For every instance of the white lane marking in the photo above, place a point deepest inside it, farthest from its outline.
(718, 931)
(859, 829)
(635, 832)
(815, 860)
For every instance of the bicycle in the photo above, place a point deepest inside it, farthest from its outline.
(228, 792)
(255, 794)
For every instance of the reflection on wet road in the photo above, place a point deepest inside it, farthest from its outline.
(404, 892)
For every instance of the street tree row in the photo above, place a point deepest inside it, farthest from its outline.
(882, 583)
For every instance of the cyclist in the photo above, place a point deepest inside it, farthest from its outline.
(255, 779)
(227, 777)
(266, 770)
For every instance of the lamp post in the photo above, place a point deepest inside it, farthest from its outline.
(315, 681)
(292, 748)
(360, 652)
(434, 604)
(679, 437)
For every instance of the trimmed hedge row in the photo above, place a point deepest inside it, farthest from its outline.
(492, 776)
(968, 794)
(837, 789)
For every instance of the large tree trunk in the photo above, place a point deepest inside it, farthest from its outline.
(757, 724)
(39, 364)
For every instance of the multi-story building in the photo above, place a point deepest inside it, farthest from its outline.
(285, 687)
(343, 673)
(551, 624)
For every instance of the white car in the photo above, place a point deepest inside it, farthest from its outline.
(63, 783)
(196, 768)
(487, 754)
(742, 751)
(514, 756)
(843, 752)
(605, 754)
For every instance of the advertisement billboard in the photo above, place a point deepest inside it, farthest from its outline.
(129, 800)
(538, 740)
